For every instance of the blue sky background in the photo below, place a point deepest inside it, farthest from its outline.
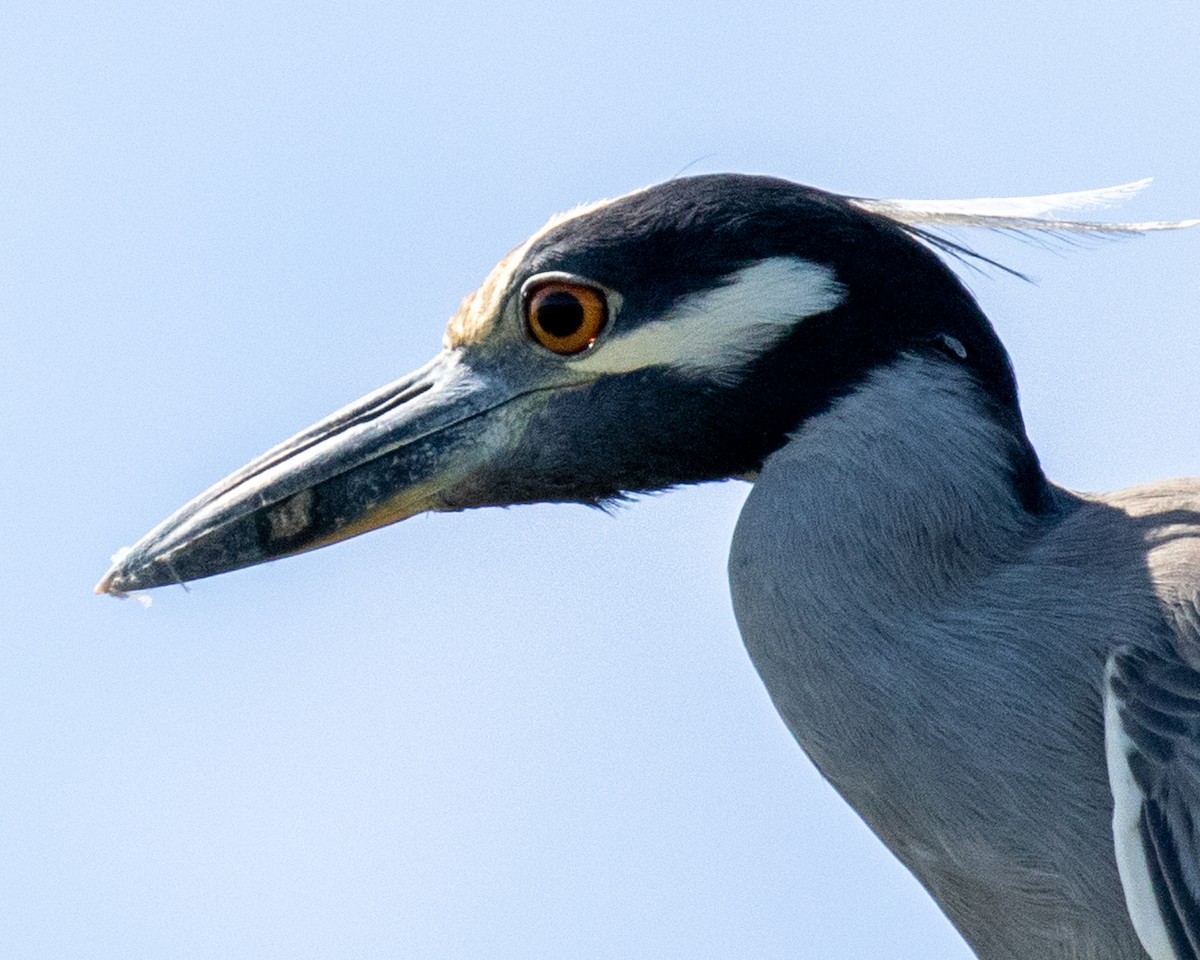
(523, 733)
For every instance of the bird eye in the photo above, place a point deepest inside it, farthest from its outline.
(565, 317)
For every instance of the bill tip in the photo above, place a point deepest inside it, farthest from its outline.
(108, 583)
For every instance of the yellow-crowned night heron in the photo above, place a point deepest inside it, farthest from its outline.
(1002, 677)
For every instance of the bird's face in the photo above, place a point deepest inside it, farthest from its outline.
(625, 347)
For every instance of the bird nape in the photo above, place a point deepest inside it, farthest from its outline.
(1000, 675)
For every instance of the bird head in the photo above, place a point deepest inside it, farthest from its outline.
(676, 335)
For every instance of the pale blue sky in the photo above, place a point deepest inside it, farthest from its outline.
(523, 733)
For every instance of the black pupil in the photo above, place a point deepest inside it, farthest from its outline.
(560, 314)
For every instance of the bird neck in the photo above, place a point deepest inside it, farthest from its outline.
(899, 496)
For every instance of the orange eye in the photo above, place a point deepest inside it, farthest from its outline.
(565, 317)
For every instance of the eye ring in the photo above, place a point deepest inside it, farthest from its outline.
(565, 316)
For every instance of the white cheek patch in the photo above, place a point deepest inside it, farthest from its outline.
(716, 333)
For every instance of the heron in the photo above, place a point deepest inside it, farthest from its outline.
(1000, 675)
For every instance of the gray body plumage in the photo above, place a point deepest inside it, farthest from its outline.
(1002, 677)
(903, 610)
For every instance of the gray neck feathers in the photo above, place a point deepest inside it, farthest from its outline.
(903, 487)
(871, 551)
(903, 608)
(867, 573)
(878, 518)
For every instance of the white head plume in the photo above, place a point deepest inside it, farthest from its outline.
(1023, 213)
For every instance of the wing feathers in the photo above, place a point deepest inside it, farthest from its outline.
(1176, 904)
(1152, 732)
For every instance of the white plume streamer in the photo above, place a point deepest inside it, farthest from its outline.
(1023, 213)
